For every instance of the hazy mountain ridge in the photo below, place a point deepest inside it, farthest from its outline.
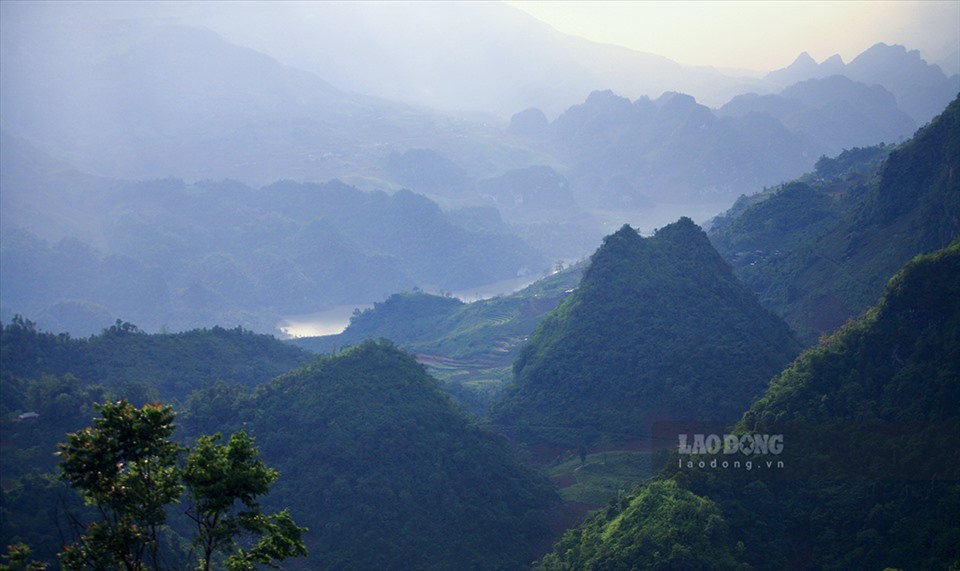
(865, 225)
(133, 103)
(922, 89)
(836, 112)
(181, 256)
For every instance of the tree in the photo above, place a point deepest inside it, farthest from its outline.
(126, 466)
(18, 559)
(219, 480)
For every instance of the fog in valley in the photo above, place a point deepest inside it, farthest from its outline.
(189, 164)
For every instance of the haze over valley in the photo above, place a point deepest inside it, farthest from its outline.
(100, 98)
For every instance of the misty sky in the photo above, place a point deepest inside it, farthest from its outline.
(757, 35)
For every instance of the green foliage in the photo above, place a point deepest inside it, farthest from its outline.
(601, 476)
(852, 162)
(822, 256)
(18, 559)
(389, 473)
(869, 420)
(125, 466)
(659, 327)
(218, 477)
(468, 346)
(171, 364)
(661, 526)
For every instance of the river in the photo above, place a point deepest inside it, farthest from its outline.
(335, 319)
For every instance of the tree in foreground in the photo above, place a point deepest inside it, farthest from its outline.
(223, 483)
(18, 559)
(127, 468)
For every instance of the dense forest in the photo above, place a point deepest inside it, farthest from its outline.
(374, 459)
(658, 328)
(819, 250)
(870, 477)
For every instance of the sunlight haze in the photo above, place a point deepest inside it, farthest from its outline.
(757, 35)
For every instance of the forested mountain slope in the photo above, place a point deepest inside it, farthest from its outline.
(380, 464)
(820, 250)
(387, 472)
(59, 377)
(659, 327)
(870, 473)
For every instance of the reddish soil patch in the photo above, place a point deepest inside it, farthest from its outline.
(564, 480)
(827, 314)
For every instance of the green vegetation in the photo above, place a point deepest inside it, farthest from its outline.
(868, 420)
(383, 468)
(126, 466)
(659, 328)
(168, 366)
(469, 347)
(59, 378)
(600, 477)
(661, 526)
(819, 251)
(390, 471)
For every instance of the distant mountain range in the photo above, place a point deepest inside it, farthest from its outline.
(164, 254)
(97, 97)
(921, 89)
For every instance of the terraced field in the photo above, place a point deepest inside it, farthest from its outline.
(469, 347)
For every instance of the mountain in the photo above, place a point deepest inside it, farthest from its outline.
(922, 89)
(59, 378)
(387, 472)
(168, 365)
(672, 152)
(466, 58)
(182, 256)
(378, 463)
(868, 476)
(836, 112)
(658, 328)
(145, 98)
(819, 251)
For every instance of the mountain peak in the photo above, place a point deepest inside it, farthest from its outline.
(683, 231)
(804, 59)
(648, 334)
